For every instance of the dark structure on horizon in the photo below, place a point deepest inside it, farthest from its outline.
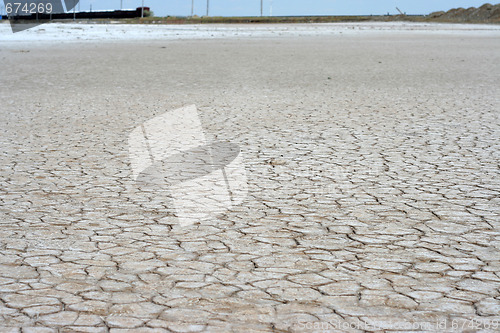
(103, 14)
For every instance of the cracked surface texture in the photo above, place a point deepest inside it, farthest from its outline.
(373, 186)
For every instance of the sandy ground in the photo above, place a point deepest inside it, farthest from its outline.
(372, 161)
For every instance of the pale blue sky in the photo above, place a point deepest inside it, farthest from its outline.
(285, 7)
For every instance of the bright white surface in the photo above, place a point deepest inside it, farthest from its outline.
(66, 32)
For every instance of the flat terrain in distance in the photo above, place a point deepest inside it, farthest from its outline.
(372, 156)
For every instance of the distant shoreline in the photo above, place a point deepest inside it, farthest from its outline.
(304, 19)
(276, 20)
(486, 14)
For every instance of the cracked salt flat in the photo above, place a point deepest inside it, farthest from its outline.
(372, 163)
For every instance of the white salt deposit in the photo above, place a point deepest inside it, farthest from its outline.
(71, 32)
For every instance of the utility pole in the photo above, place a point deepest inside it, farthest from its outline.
(121, 4)
(142, 9)
(192, 8)
(261, 7)
(208, 6)
(74, 10)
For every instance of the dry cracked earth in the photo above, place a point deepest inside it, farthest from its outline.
(373, 186)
